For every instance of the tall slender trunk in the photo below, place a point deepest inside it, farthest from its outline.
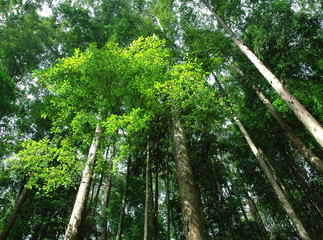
(83, 192)
(227, 223)
(300, 145)
(154, 203)
(279, 193)
(14, 213)
(271, 178)
(95, 202)
(191, 209)
(123, 203)
(167, 195)
(314, 202)
(313, 126)
(147, 192)
(306, 152)
(255, 214)
(106, 197)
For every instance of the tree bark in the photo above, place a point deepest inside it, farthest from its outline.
(106, 197)
(147, 192)
(270, 176)
(13, 216)
(97, 195)
(302, 148)
(167, 195)
(311, 124)
(154, 203)
(191, 209)
(256, 215)
(279, 193)
(83, 192)
(123, 203)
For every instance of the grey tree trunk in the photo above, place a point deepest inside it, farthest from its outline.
(279, 193)
(270, 176)
(302, 148)
(167, 195)
(227, 226)
(154, 202)
(14, 213)
(106, 197)
(256, 215)
(123, 203)
(147, 192)
(191, 209)
(313, 126)
(83, 192)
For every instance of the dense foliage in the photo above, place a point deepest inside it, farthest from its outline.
(156, 84)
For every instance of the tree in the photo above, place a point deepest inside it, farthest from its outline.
(302, 114)
(271, 178)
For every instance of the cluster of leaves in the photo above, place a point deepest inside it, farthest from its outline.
(48, 167)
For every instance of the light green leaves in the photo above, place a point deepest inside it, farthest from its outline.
(48, 167)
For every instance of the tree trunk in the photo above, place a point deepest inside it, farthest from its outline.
(314, 201)
(106, 197)
(271, 178)
(83, 192)
(302, 148)
(123, 203)
(13, 216)
(256, 215)
(97, 195)
(167, 195)
(313, 126)
(227, 223)
(191, 210)
(147, 192)
(279, 193)
(154, 203)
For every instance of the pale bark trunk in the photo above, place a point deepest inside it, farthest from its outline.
(309, 155)
(227, 223)
(256, 215)
(271, 178)
(154, 205)
(13, 216)
(123, 203)
(302, 148)
(313, 126)
(191, 209)
(106, 197)
(167, 195)
(279, 193)
(147, 192)
(97, 195)
(314, 201)
(83, 192)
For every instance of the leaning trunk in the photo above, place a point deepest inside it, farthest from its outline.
(302, 148)
(191, 208)
(123, 203)
(270, 176)
(167, 195)
(106, 198)
(147, 192)
(306, 152)
(299, 110)
(13, 216)
(154, 201)
(83, 192)
(279, 193)
(256, 215)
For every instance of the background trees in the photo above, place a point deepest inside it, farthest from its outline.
(133, 89)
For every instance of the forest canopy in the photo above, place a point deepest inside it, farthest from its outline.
(161, 119)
